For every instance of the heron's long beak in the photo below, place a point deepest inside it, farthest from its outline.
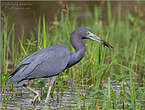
(99, 40)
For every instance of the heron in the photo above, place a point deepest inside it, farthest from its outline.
(51, 61)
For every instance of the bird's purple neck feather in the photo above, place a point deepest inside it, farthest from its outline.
(78, 45)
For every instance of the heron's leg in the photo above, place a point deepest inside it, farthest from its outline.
(37, 97)
(52, 79)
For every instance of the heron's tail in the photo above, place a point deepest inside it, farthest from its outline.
(9, 79)
(19, 83)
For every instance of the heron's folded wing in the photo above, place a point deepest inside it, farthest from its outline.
(27, 61)
(51, 61)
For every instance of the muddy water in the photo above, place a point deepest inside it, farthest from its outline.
(25, 15)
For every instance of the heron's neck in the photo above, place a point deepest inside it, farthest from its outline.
(79, 46)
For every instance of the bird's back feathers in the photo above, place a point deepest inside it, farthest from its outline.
(46, 62)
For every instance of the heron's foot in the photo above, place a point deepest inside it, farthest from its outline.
(36, 99)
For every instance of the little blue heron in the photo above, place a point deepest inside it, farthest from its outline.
(50, 61)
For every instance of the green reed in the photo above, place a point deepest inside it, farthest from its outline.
(123, 65)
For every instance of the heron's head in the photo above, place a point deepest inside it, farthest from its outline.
(85, 33)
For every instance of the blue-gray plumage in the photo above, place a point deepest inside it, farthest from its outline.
(41, 64)
(51, 61)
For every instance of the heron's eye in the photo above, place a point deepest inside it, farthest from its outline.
(88, 33)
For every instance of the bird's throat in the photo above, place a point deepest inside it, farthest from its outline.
(79, 47)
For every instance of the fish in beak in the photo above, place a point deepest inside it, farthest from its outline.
(99, 40)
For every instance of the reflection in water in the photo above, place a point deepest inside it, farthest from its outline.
(65, 97)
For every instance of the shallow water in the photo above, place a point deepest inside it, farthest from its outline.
(65, 97)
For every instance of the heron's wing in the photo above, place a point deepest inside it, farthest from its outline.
(28, 60)
(46, 63)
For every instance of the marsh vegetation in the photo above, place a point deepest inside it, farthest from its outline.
(104, 79)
